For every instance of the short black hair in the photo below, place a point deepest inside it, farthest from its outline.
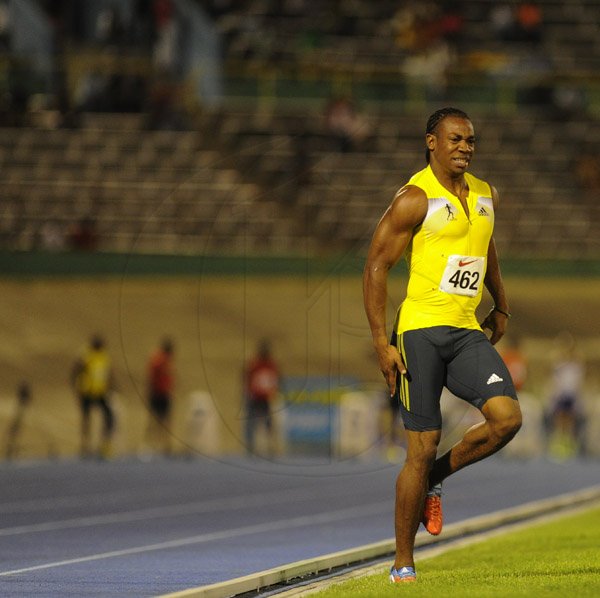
(437, 117)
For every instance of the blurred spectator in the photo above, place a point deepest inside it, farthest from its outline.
(161, 381)
(83, 235)
(529, 18)
(515, 361)
(93, 382)
(451, 23)
(565, 415)
(167, 32)
(14, 428)
(569, 101)
(523, 23)
(109, 28)
(502, 21)
(430, 68)
(261, 386)
(420, 25)
(346, 126)
(411, 25)
(51, 237)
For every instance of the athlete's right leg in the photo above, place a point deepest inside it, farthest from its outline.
(419, 403)
(85, 406)
(107, 429)
(411, 486)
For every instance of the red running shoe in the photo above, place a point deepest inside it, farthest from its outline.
(433, 518)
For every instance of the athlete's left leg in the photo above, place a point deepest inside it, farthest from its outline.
(107, 429)
(502, 421)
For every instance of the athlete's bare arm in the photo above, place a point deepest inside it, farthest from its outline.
(495, 320)
(390, 240)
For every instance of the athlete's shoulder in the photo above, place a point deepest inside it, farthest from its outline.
(478, 185)
(410, 203)
(406, 211)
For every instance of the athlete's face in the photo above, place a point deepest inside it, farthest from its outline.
(452, 144)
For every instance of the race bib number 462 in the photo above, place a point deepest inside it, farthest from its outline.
(463, 275)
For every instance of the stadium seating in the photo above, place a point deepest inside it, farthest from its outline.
(236, 181)
(158, 191)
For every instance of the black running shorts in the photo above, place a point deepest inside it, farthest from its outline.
(462, 360)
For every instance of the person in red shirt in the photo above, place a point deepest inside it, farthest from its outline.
(261, 386)
(161, 380)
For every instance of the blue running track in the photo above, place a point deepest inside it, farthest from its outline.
(131, 528)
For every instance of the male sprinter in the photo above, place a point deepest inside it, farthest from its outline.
(443, 221)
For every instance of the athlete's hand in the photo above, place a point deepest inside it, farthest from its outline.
(390, 363)
(496, 322)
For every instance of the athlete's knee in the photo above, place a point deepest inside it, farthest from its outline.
(512, 424)
(422, 449)
(505, 419)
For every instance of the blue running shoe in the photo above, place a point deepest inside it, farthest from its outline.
(402, 574)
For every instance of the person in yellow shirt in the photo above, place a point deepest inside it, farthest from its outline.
(92, 380)
(442, 221)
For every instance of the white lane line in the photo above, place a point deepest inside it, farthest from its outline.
(291, 495)
(282, 524)
(85, 500)
(75, 500)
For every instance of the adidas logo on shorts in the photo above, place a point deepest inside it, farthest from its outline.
(494, 378)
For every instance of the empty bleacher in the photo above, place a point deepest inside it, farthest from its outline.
(165, 191)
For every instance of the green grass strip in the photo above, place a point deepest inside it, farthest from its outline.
(561, 558)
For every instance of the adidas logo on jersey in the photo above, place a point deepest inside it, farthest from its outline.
(494, 378)
(483, 212)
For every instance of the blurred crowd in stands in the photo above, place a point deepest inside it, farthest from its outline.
(404, 55)
(427, 42)
(148, 34)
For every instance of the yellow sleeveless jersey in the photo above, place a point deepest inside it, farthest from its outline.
(94, 378)
(447, 256)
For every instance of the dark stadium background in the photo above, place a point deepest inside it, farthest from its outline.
(174, 168)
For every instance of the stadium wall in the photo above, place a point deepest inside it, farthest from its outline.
(48, 264)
